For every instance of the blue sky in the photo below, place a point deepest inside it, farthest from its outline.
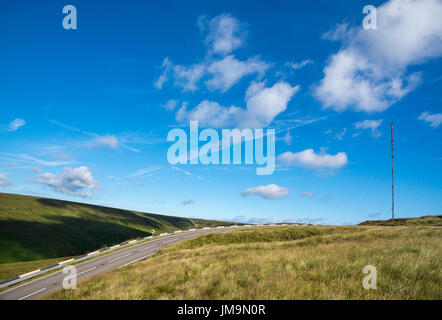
(86, 112)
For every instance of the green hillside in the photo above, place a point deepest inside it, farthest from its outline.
(33, 228)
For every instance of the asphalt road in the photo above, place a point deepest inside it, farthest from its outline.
(54, 281)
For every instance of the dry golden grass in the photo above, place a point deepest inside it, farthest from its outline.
(312, 263)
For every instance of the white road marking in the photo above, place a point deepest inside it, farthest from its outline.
(119, 258)
(136, 260)
(31, 294)
(80, 273)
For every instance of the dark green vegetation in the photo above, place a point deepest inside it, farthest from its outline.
(422, 221)
(34, 228)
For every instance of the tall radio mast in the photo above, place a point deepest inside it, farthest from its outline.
(392, 173)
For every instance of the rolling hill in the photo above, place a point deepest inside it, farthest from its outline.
(33, 228)
(435, 220)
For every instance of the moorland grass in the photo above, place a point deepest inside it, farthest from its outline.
(295, 262)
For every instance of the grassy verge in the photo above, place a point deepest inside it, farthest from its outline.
(10, 270)
(299, 262)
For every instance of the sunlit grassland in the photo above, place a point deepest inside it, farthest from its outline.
(294, 262)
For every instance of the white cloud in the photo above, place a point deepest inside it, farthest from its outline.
(225, 33)
(288, 138)
(160, 81)
(228, 71)
(300, 65)
(70, 181)
(369, 73)
(210, 114)
(221, 74)
(185, 77)
(311, 160)
(263, 105)
(170, 105)
(5, 182)
(271, 191)
(163, 77)
(372, 125)
(435, 119)
(108, 140)
(15, 124)
(219, 67)
(307, 194)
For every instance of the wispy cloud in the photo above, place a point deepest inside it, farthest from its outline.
(5, 181)
(187, 202)
(14, 125)
(435, 119)
(30, 159)
(97, 141)
(372, 125)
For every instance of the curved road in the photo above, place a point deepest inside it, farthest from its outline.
(51, 282)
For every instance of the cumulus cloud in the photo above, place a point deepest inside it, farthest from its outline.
(263, 105)
(434, 119)
(271, 191)
(219, 68)
(372, 125)
(5, 182)
(228, 71)
(370, 72)
(311, 160)
(225, 33)
(71, 181)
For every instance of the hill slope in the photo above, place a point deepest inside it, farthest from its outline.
(294, 262)
(33, 228)
(422, 221)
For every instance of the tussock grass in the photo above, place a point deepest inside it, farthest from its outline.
(296, 262)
